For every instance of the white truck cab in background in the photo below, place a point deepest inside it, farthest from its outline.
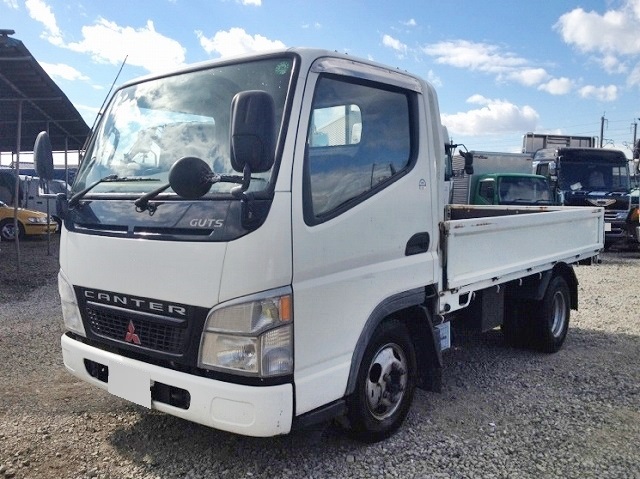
(262, 243)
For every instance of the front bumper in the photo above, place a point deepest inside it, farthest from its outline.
(249, 410)
(40, 229)
(615, 231)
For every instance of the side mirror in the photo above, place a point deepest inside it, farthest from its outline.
(43, 156)
(252, 131)
(468, 162)
(190, 177)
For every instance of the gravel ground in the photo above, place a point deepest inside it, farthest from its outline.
(503, 413)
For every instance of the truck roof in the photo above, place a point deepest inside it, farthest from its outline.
(307, 55)
(570, 153)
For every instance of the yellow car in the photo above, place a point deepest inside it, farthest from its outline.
(29, 223)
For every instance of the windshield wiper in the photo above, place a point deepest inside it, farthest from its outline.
(142, 203)
(107, 179)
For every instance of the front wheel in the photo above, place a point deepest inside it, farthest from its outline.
(8, 232)
(551, 317)
(385, 384)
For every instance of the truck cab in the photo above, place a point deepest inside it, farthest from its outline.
(510, 189)
(594, 177)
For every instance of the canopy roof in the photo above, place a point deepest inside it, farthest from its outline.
(44, 106)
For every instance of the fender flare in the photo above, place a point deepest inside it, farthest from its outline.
(534, 287)
(411, 308)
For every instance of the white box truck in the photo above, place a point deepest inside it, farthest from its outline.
(262, 243)
(532, 142)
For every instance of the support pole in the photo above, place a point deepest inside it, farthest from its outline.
(16, 196)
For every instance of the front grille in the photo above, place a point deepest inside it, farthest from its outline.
(158, 333)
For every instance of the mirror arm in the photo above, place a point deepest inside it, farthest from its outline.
(62, 205)
(239, 191)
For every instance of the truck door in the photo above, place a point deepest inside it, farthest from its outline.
(362, 220)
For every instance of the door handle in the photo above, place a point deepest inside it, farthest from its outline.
(418, 243)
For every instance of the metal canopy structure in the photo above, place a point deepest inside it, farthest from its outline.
(31, 102)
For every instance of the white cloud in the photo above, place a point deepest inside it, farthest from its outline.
(235, 42)
(41, 12)
(474, 56)
(609, 36)
(557, 86)
(256, 3)
(602, 93)
(491, 117)
(634, 77)
(108, 42)
(434, 79)
(612, 64)
(397, 45)
(616, 31)
(13, 4)
(528, 76)
(410, 23)
(60, 70)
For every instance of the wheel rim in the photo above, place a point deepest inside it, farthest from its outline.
(8, 232)
(559, 314)
(386, 381)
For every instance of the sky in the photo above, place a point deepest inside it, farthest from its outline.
(501, 67)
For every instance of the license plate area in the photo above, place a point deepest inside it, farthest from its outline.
(130, 383)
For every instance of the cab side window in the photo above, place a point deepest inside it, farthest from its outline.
(359, 141)
(486, 191)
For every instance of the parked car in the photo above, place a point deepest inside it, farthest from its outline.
(29, 223)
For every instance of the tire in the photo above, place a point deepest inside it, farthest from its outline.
(385, 384)
(551, 317)
(7, 231)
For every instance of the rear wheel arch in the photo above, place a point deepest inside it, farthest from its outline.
(537, 312)
(535, 286)
(569, 275)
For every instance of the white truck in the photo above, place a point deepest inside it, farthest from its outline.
(262, 243)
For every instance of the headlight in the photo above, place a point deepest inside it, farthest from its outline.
(70, 311)
(253, 337)
(36, 220)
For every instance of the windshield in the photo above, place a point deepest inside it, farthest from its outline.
(577, 176)
(531, 190)
(150, 125)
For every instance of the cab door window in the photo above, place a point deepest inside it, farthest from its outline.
(359, 141)
(486, 191)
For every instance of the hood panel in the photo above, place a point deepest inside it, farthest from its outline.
(184, 220)
(175, 271)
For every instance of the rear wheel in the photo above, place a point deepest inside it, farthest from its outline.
(385, 384)
(8, 232)
(551, 317)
